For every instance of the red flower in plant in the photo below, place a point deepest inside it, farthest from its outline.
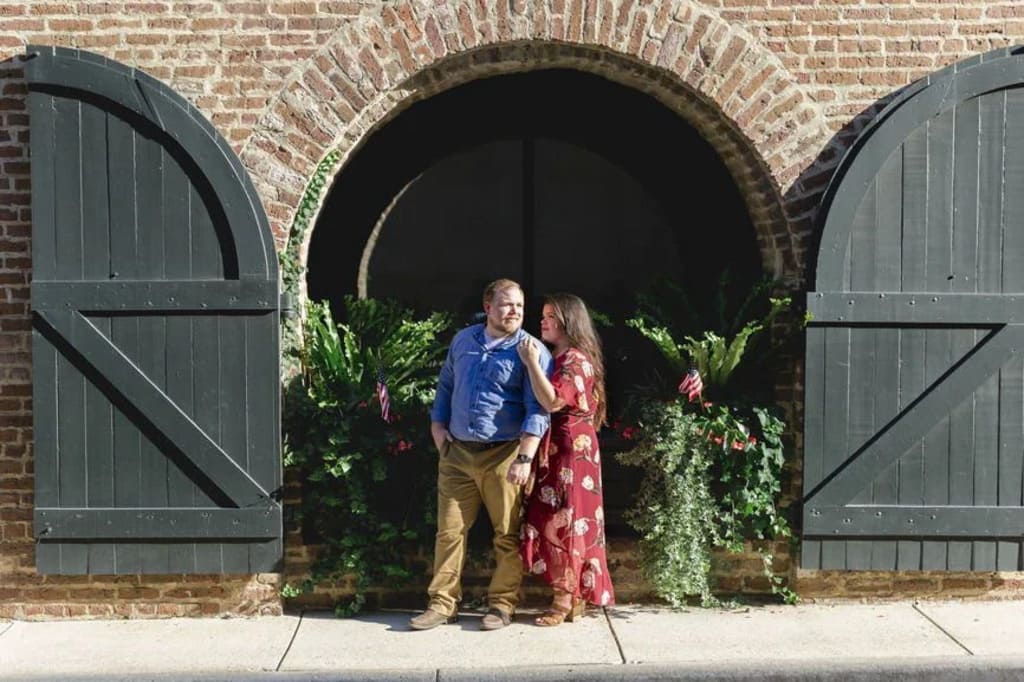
(752, 440)
(707, 403)
(717, 440)
(628, 432)
(401, 446)
(738, 445)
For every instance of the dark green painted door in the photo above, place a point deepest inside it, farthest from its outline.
(155, 332)
(914, 420)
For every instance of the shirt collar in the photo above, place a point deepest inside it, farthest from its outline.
(482, 338)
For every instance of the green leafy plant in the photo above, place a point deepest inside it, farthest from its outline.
(668, 303)
(368, 492)
(675, 511)
(712, 473)
(709, 482)
(715, 356)
(714, 332)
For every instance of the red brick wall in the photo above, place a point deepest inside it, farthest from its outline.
(850, 53)
(779, 86)
(15, 337)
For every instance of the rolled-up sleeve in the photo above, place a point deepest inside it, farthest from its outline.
(442, 410)
(537, 420)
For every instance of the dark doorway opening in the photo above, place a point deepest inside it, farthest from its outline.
(560, 179)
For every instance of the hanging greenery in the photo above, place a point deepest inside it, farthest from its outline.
(712, 473)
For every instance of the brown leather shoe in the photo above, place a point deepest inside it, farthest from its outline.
(431, 619)
(495, 619)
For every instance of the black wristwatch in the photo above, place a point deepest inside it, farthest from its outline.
(523, 458)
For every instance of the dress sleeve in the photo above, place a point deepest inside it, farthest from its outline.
(570, 382)
(537, 418)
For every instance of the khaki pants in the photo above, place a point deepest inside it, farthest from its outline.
(464, 480)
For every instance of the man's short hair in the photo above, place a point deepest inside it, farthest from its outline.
(492, 289)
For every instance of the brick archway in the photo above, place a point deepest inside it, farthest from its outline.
(717, 78)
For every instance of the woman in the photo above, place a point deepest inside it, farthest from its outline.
(563, 532)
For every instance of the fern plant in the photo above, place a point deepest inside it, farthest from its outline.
(713, 355)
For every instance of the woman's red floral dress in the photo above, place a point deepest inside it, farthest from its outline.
(563, 533)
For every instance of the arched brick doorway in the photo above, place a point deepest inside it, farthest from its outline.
(719, 79)
(726, 84)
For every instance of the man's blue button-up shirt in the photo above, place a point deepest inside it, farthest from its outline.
(485, 395)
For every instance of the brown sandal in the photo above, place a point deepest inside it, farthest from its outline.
(556, 614)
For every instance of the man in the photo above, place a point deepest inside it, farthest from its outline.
(486, 424)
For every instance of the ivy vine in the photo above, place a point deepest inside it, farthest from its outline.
(290, 260)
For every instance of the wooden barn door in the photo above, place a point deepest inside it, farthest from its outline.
(914, 423)
(155, 332)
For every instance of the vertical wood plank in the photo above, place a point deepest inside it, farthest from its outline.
(44, 239)
(1011, 391)
(961, 452)
(181, 491)
(964, 279)
(207, 392)
(938, 271)
(44, 356)
(914, 254)
(153, 463)
(885, 386)
(1010, 449)
(234, 424)
(814, 430)
(44, 414)
(99, 445)
(263, 435)
(986, 462)
(71, 439)
(885, 488)
(912, 342)
(68, 190)
(860, 424)
(124, 331)
(71, 427)
(837, 387)
(990, 192)
(992, 145)
(206, 381)
(908, 552)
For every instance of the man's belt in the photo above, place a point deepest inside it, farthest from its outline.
(479, 446)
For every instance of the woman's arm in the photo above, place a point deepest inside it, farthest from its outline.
(542, 388)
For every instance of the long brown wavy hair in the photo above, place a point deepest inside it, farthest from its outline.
(571, 312)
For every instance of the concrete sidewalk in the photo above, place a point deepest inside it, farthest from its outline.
(906, 641)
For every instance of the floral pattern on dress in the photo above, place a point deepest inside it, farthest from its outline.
(563, 539)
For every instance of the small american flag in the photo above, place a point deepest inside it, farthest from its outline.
(691, 385)
(382, 395)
